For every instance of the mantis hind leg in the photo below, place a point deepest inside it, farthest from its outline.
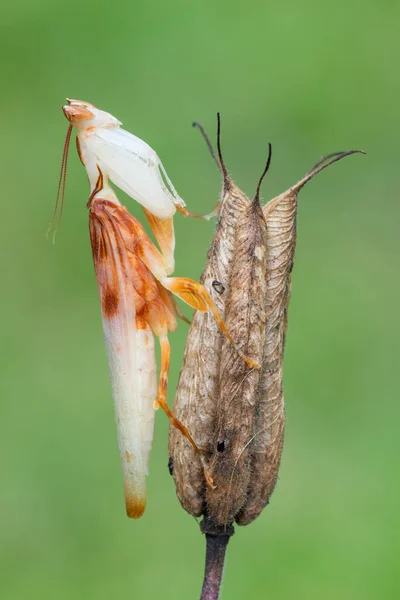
(177, 309)
(162, 401)
(177, 200)
(184, 211)
(162, 391)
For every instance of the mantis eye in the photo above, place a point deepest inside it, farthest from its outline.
(77, 113)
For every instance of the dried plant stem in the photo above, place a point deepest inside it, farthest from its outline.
(217, 539)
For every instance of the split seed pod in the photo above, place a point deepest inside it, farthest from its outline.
(236, 415)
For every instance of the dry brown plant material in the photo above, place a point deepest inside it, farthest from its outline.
(236, 414)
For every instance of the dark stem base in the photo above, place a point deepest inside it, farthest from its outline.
(217, 541)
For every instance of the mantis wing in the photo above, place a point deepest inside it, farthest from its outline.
(130, 355)
(135, 168)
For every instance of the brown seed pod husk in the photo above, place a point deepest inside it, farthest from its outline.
(195, 401)
(280, 216)
(245, 318)
(236, 414)
(269, 423)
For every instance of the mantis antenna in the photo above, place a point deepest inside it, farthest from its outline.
(219, 161)
(61, 185)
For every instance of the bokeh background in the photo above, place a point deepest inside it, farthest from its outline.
(310, 77)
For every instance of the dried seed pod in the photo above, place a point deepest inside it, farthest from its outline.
(198, 385)
(280, 215)
(236, 415)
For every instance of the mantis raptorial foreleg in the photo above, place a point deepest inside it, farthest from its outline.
(163, 230)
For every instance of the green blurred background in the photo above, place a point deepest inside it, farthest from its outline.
(310, 77)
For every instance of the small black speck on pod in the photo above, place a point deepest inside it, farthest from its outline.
(218, 287)
(221, 446)
(171, 465)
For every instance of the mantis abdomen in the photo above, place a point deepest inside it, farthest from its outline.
(134, 386)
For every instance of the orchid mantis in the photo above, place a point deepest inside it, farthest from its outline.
(134, 281)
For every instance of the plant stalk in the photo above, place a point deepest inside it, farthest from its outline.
(217, 539)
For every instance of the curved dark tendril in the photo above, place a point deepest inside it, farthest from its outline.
(266, 168)
(221, 160)
(61, 185)
(337, 156)
(325, 158)
(322, 164)
(208, 142)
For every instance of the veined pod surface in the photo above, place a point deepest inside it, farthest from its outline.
(245, 316)
(200, 381)
(199, 378)
(269, 423)
(239, 415)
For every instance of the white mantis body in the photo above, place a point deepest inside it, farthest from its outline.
(133, 279)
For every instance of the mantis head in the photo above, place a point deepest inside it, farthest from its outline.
(84, 115)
